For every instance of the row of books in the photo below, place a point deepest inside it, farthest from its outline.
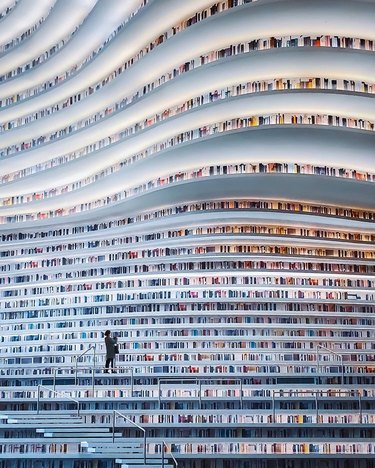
(223, 447)
(142, 363)
(116, 238)
(215, 390)
(88, 266)
(236, 418)
(35, 365)
(149, 293)
(42, 270)
(198, 16)
(167, 278)
(308, 327)
(212, 231)
(165, 313)
(206, 278)
(180, 294)
(38, 60)
(212, 96)
(38, 446)
(193, 348)
(46, 233)
(312, 41)
(7, 10)
(249, 87)
(219, 127)
(211, 170)
(274, 350)
(17, 41)
(226, 169)
(301, 41)
(149, 289)
(250, 248)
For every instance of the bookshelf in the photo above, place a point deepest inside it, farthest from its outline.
(246, 324)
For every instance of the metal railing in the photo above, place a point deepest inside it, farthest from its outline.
(77, 358)
(63, 394)
(74, 374)
(169, 452)
(114, 413)
(316, 394)
(198, 381)
(327, 350)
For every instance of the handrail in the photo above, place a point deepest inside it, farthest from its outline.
(327, 349)
(77, 358)
(340, 357)
(315, 393)
(92, 369)
(134, 424)
(198, 380)
(56, 393)
(87, 350)
(164, 444)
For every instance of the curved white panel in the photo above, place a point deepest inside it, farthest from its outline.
(92, 34)
(25, 16)
(64, 18)
(226, 236)
(254, 67)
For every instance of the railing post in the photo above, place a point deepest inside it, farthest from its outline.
(63, 394)
(273, 407)
(241, 395)
(339, 356)
(316, 407)
(144, 447)
(77, 358)
(317, 367)
(113, 426)
(93, 372)
(360, 406)
(200, 393)
(166, 449)
(54, 378)
(342, 370)
(132, 383)
(38, 400)
(159, 390)
(134, 424)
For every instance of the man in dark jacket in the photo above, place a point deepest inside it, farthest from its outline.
(110, 344)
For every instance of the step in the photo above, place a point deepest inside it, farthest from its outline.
(83, 433)
(43, 419)
(117, 444)
(130, 453)
(136, 459)
(73, 429)
(43, 422)
(125, 464)
(46, 415)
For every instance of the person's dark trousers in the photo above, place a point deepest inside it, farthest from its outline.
(108, 363)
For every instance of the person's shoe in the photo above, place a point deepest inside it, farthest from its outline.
(106, 371)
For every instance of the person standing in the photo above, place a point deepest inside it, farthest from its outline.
(110, 344)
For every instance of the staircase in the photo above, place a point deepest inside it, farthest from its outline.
(132, 453)
(139, 464)
(91, 440)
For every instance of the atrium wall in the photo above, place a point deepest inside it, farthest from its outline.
(199, 178)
